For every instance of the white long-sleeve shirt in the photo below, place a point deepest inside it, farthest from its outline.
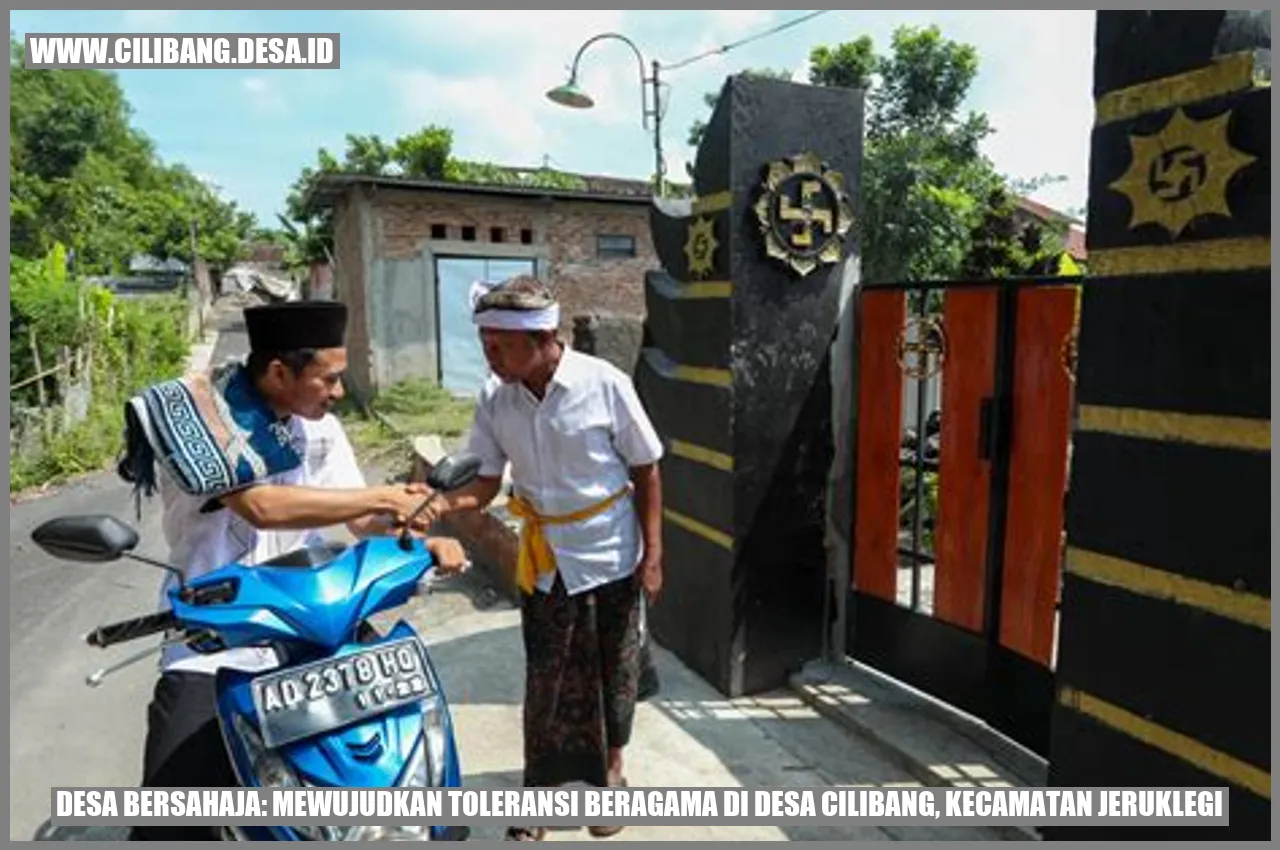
(201, 542)
(571, 450)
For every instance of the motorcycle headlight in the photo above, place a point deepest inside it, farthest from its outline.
(268, 767)
(433, 736)
(426, 765)
(426, 769)
(272, 771)
(418, 832)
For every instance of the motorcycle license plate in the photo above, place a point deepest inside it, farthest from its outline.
(313, 698)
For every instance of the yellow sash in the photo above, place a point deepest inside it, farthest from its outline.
(536, 556)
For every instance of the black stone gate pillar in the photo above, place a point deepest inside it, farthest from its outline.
(1164, 665)
(734, 371)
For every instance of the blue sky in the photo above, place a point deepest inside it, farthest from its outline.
(484, 74)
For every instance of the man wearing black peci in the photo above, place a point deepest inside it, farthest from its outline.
(275, 467)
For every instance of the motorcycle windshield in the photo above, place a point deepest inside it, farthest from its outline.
(314, 596)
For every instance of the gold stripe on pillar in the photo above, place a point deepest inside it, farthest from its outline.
(1247, 608)
(1176, 744)
(1210, 255)
(1224, 432)
(714, 202)
(703, 375)
(699, 528)
(1227, 74)
(707, 289)
(702, 455)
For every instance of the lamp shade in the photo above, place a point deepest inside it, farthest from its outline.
(570, 95)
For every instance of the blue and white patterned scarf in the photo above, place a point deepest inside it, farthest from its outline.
(213, 432)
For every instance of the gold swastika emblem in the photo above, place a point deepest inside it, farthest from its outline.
(1181, 173)
(922, 348)
(803, 213)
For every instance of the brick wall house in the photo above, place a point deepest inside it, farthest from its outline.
(395, 238)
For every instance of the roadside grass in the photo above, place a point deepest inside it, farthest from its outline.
(383, 435)
(126, 344)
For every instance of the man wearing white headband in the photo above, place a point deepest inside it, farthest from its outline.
(583, 457)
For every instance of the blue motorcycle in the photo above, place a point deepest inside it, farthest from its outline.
(347, 706)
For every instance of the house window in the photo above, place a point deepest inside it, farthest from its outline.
(497, 234)
(468, 233)
(526, 236)
(614, 246)
(439, 231)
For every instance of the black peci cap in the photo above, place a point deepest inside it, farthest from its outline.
(294, 325)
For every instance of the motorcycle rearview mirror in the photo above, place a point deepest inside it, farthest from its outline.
(453, 472)
(95, 538)
(91, 539)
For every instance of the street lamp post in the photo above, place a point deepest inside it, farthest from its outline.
(571, 95)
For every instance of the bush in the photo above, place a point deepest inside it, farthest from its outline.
(128, 343)
(907, 506)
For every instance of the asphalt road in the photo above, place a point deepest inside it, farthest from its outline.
(62, 732)
(233, 341)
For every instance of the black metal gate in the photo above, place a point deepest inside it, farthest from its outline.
(965, 395)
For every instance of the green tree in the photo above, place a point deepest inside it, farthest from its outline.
(82, 176)
(849, 65)
(999, 246)
(924, 179)
(125, 343)
(925, 183)
(87, 192)
(366, 154)
(424, 154)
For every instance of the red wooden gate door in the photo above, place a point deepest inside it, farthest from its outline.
(963, 428)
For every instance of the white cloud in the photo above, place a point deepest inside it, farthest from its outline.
(1039, 99)
(676, 162)
(264, 96)
(484, 113)
(149, 20)
(485, 74)
(161, 21)
(800, 71)
(734, 23)
(499, 109)
(723, 26)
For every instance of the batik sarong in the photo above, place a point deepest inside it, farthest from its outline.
(582, 672)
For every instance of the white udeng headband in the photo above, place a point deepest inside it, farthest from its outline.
(546, 319)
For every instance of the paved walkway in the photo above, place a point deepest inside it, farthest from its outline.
(687, 736)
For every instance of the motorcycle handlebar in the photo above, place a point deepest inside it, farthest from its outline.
(127, 630)
(139, 627)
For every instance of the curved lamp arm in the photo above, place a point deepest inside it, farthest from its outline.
(573, 73)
